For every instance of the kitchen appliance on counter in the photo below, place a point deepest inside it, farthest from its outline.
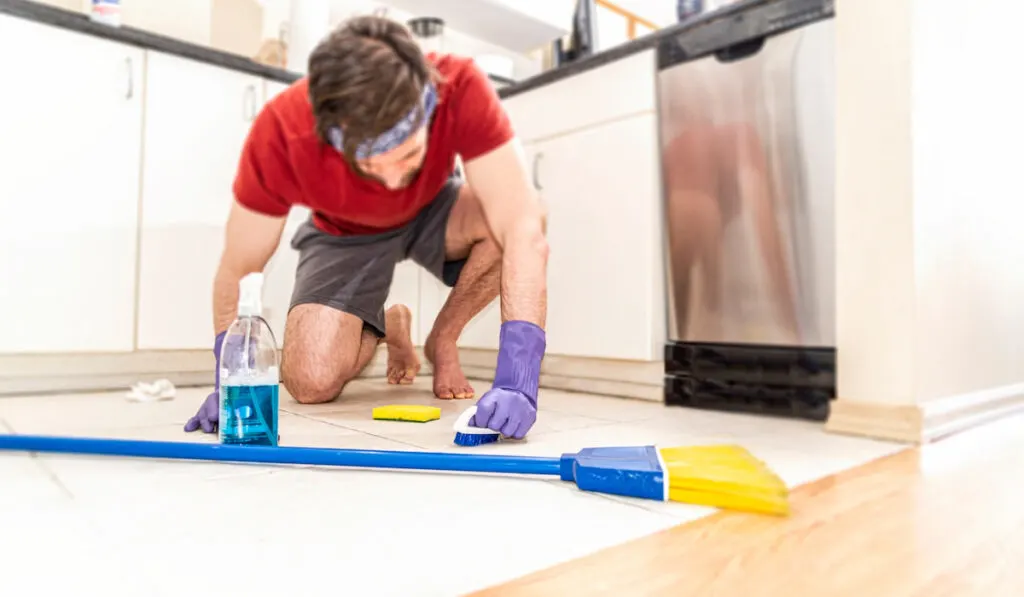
(746, 109)
(429, 32)
(582, 41)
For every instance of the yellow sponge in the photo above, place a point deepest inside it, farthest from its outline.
(407, 412)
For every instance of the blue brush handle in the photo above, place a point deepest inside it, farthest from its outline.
(392, 459)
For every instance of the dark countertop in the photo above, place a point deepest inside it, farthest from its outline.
(80, 22)
(741, 18)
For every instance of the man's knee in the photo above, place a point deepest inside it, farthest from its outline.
(320, 353)
(312, 385)
(308, 388)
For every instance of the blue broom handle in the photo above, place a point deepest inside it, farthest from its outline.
(392, 459)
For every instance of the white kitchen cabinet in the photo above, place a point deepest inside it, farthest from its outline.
(70, 126)
(197, 118)
(602, 190)
(405, 290)
(480, 332)
(279, 275)
(483, 330)
(583, 100)
(272, 88)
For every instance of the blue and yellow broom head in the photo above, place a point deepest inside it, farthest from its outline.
(719, 476)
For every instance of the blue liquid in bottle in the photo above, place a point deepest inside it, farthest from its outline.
(249, 378)
(248, 414)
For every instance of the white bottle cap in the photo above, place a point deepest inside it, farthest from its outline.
(250, 295)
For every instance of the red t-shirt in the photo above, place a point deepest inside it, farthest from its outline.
(284, 163)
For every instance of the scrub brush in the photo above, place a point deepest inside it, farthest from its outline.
(472, 436)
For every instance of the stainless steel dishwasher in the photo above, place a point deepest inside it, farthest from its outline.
(746, 108)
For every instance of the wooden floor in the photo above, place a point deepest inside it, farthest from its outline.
(945, 520)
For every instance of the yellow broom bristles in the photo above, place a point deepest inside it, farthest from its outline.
(724, 476)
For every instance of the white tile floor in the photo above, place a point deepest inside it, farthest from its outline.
(105, 526)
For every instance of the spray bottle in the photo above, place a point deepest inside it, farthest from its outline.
(249, 373)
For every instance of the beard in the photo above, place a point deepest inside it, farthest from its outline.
(407, 179)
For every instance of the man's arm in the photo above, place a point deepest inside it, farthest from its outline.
(518, 221)
(249, 242)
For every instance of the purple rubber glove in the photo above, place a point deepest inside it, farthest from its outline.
(510, 407)
(209, 411)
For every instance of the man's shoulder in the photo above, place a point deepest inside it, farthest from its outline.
(447, 63)
(292, 113)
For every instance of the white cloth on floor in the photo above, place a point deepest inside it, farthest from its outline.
(161, 389)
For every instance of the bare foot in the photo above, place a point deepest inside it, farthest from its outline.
(403, 364)
(449, 380)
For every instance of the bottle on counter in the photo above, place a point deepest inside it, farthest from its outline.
(687, 9)
(107, 12)
(249, 373)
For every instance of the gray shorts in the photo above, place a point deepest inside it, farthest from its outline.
(353, 273)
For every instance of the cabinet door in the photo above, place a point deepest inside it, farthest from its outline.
(197, 118)
(70, 132)
(405, 290)
(279, 275)
(601, 188)
(482, 331)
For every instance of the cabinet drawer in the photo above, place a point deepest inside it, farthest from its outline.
(622, 88)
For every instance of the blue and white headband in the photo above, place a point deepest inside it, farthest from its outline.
(394, 136)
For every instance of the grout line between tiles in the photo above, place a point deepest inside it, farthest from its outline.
(615, 500)
(598, 418)
(53, 476)
(357, 431)
(604, 424)
(41, 464)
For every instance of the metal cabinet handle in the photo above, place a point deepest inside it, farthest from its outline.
(536, 171)
(129, 66)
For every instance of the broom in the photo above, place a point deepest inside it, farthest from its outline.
(719, 476)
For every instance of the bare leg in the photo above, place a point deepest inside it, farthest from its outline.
(467, 237)
(403, 363)
(323, 350)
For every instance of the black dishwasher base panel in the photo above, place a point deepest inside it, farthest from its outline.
(794, 382)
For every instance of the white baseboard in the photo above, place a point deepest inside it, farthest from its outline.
(66, 373)
(927, 421)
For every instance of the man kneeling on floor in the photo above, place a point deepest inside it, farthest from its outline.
(368, 143)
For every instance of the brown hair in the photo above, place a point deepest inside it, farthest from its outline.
(364, 77)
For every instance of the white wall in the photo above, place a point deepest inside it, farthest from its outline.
(66, 4)
(929, 203)
(968, 122)
(452, 41)
(276, 12)
(663, 12)
(188, 20)
(275, 15)
(874, 200)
